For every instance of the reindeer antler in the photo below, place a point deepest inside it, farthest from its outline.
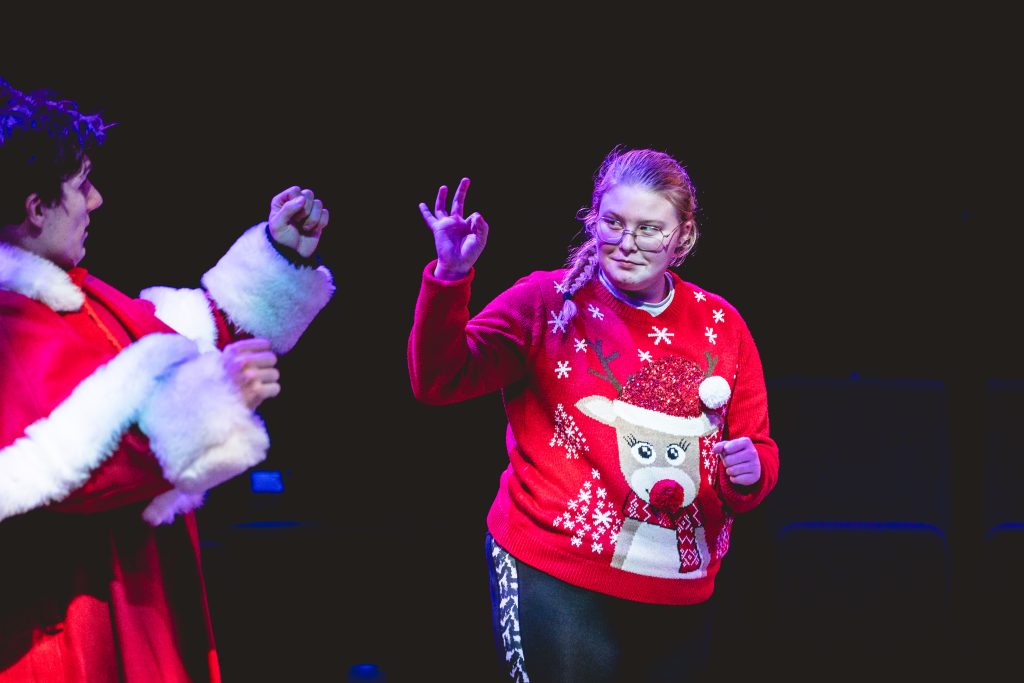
(605, 360)
(712, 362)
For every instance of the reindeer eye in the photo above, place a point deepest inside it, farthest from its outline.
(675, 454)
(643, 451)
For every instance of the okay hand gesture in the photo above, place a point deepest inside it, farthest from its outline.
(459, 241)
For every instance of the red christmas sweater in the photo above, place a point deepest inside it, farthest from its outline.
(115, 418)
(611, 483)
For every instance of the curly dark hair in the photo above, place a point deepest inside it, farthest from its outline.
(43, 141)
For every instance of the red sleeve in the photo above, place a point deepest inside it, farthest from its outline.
(42, 359)
(226, 331)
(748, 416)
(130, 475)
(452, 357)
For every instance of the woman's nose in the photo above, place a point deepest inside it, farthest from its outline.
(632, 242)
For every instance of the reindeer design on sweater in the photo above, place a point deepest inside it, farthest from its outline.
(660, 417)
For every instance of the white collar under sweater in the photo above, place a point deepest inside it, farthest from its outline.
(26, 273)
(653, 308)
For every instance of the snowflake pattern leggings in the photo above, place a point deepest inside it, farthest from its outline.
(549, 631)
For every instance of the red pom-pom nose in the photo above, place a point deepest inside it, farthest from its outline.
(667, 495)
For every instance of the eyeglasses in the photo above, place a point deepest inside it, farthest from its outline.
(611, 230)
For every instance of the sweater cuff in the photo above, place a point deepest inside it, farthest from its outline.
(739, 497)
(429, 277)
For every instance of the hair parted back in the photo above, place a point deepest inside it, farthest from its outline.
(43, 141)
(647, 168)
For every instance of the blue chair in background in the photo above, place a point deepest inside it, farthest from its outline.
(1001, 591)
(861, 513)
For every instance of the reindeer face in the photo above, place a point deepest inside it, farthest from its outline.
(662, 469)
(661, 466)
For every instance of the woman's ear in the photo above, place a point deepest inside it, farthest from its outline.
(684, 238)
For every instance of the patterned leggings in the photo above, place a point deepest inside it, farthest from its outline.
(547, 630)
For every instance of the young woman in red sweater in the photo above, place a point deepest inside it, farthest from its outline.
(637, 429)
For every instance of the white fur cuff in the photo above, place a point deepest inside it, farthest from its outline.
(164, 507)
(264, 294)
(187, 312)
(199, 428)
(58, 453)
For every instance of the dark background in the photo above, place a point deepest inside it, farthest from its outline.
(857, 172)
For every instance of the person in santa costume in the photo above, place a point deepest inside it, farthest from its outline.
(637, 429)
(117, 414)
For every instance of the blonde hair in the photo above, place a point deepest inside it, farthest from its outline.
(646, 168)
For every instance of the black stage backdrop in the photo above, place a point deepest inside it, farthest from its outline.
(857, 183)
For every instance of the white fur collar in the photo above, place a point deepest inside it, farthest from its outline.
(25, 273)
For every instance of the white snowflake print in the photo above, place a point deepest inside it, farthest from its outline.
(557, 322)
(722, 543)
(699, 296)
(560, 288)
(568, 436)
(661, 335)
(709, 462)
(709, 458)
(562, 371)
(602, 526)
(644, 355)
(595, 312)
(710, 334)
(719, 315)
(581, 345)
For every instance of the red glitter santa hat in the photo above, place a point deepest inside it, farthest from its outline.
(675, 396)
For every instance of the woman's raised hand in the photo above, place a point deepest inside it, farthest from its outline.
(459, 241)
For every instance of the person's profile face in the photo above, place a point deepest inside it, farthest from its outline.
(632, 210)
(63, 233)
